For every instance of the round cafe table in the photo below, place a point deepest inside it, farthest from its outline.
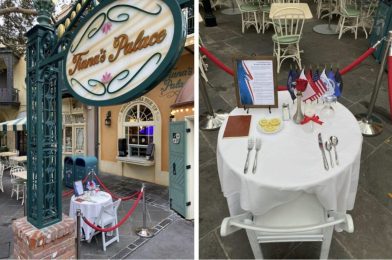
(290, 162)
(89, 209)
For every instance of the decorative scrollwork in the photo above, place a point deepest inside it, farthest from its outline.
(122, 76)
(124, 16)
(92, 28)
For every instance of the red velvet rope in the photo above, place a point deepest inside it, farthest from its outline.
(390, 83)
(113, 195)
(122, 221)
(348, 68)
(216, 60)
(357, 61)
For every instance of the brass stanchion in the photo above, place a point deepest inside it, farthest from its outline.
(144, 231)
(369, 124)
(78, 246)
(212, 121)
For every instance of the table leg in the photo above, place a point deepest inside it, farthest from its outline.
(231, 11)
(328, 29)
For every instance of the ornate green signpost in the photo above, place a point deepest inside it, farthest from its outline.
(105, 53)
(43, 122)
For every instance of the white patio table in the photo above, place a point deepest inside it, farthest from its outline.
(90, 210)
(290, 163)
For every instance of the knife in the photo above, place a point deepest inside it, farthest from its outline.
(320, 141)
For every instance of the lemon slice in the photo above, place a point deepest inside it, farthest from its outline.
(275, 122)
(263, 122)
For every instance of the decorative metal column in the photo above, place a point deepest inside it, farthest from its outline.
(43, 122)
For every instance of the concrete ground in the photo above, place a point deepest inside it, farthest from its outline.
(372, 213)
(173, 235)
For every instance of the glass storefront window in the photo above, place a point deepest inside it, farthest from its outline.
(139, 130)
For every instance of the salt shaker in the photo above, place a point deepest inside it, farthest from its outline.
(285, 112)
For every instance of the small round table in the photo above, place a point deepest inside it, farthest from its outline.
(90, 209)
(290, 162)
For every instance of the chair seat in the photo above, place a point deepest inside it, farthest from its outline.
(352, 12)
(249, 8)
(286, 39)
(266, 8)
(18, 181)
(304, 211)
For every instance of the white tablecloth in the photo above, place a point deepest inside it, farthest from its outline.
(90, 210)
(290, 162)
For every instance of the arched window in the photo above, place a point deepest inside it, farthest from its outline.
(139, 129)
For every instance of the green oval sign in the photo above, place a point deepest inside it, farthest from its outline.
(123, 49)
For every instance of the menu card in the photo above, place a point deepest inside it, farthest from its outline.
(237, 126)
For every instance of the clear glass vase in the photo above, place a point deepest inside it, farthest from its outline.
(299, 115)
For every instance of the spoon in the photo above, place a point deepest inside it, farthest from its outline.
(328, 147)
(334, 142)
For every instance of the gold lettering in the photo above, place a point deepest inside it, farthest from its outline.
(121, 44)
(76, 60)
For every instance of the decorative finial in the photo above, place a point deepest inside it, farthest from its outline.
(45, 9)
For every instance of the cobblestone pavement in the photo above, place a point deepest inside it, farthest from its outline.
(372, 213)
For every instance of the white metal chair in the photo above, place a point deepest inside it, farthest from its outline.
(17, 183)
(265, 10)
(108, 216)
(249, 14)
(303, 219)
(2, 167)
(288, 24)
(349, 18)
(366, 18)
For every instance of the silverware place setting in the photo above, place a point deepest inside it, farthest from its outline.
(258, 147)
(329, 145)
(251, 144)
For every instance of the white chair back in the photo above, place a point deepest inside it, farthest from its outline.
(14, 170)
(110, 209)
(303, 219)
(288, 22)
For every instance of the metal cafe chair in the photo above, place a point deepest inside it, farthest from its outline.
(17, 183)
(304, 220)
(249, 14)
(349, 18)
(366, 19)
(108, 216)
(288, 24)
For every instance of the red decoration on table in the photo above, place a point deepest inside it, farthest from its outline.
(301, 85)
(313, 118)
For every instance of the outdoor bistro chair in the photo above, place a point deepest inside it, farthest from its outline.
(265, 20)
(249, 14)
(366, 18)
(288, 24)
(349, 18)
(2, 167)
(17, 183)
(304, 220)
(108, 216)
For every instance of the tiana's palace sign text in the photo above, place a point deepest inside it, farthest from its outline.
(123, 49)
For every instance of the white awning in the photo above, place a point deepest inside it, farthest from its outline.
(18, 124)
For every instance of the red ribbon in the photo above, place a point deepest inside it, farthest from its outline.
(313, 118)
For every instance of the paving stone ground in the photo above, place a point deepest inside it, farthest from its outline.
(372, 213)
(173, 234)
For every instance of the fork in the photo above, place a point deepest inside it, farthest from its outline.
(258, 147)
(251, 143)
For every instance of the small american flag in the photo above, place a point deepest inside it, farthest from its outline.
(319, 83)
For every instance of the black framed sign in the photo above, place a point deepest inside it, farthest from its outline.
(255, 81)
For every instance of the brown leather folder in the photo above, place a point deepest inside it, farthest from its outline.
(237, 126)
